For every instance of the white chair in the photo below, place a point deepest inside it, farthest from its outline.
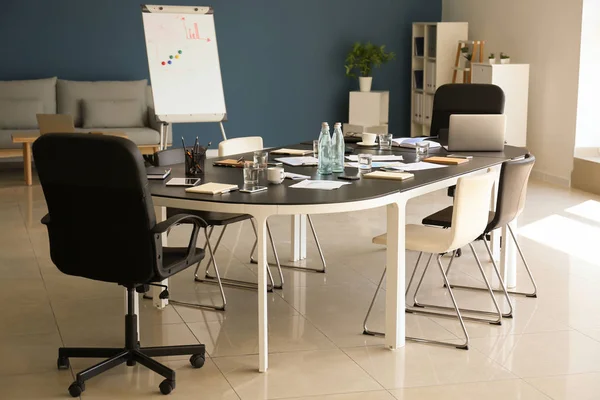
(238, 146)
(470, 217)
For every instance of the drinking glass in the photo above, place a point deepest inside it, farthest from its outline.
(385, 141)
(261, 158)
(365, 162)
(315, 148)
(422, 148)
(251, 173)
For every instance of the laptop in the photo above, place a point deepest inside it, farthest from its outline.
(476, 132)
(55, 123)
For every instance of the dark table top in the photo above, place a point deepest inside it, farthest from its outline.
(359, 190)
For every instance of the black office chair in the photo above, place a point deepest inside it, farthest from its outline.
(461, 98)
(512, 191)
(101, 226)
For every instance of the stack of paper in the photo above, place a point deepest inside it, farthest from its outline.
(411, 143)
(418, 166)
(292, 152)
(296, 177)
(377, 164)
(323, 185)
(390, 157)
(298, 161)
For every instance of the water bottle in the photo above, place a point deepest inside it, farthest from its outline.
(324, 150)
(338, 148)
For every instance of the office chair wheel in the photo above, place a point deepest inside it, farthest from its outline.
(63, 363)
(131, 363)
(76, 389)
(197, 360)
(166, 386)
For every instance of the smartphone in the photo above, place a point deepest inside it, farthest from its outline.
(252, 189)
(349, 177)
(183, 182)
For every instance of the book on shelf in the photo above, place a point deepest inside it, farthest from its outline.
(419, 46)
(430, 77)
(418, 74)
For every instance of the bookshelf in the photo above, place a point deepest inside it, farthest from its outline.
(433, 57)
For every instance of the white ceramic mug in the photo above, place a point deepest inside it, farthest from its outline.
(275, 175)
(369, 138)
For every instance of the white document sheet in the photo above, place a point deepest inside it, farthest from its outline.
(323, 185)
(391, 157)
(377, 164)
(298, 161)
(418, 166)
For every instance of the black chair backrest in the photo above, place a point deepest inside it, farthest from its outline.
(512, 191)
(461, 98)
(169, 157)
(99, 206)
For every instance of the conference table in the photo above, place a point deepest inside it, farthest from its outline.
(359, 195)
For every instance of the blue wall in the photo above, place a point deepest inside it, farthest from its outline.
(282, 60)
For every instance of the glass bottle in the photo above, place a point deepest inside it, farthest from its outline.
(338, 148)
(324, 150)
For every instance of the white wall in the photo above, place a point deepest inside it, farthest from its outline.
(588, 129)
(545, 34)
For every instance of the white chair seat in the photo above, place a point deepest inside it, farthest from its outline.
(422, 238)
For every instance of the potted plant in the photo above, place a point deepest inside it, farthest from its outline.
(504, 58)
(363, 57)
(492, 58)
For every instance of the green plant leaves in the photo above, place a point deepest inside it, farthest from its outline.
(363, 57)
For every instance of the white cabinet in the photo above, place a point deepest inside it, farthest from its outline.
(369, 108)
(514, 81)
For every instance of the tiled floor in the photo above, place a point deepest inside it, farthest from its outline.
(550, 350)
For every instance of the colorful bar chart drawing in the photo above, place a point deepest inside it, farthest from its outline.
(192, 33)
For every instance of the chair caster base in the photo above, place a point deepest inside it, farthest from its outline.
(197, 360)
(497, 323)
(167, 386)
(465, 347)
(507, 316)
(63, 363)
(131, 363)
(531, 296)
(76, 389)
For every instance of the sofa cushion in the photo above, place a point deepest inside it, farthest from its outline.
(20, 113)
(70, 94)
(113, 114)
(39, 89)
(139, 136)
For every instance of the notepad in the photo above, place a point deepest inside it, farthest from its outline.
(229, 163)
(446, 160)
(398, 176)
(212, 188)
(157, 172)
(319, 185)
(292, 152)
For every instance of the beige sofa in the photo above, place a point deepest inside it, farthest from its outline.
(122, 106)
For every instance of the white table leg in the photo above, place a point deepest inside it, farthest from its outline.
(263, 333)
(161, 215)
(298, 237)
(495, 235)
(508, 258)
(395, 280)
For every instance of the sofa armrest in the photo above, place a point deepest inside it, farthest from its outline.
(155, 124)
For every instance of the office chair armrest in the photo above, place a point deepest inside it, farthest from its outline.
(198, 223)
(162, 227)
(46, 219)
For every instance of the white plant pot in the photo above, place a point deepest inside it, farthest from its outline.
(505, 61)
(365, 83)
(492, 60)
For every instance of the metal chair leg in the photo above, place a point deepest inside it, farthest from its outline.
(290, 266)
(226, 281)
(464, 345)
(218, 281)
(503, 288)
(498, 313)
(499, 276)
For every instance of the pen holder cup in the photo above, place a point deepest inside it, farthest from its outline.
(194, 163)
